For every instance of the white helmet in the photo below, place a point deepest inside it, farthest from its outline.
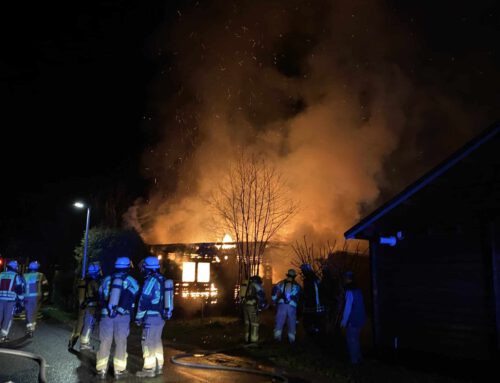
(13, 265)
(94, 268)
(122, 263)
(34, 265)
(151, 263)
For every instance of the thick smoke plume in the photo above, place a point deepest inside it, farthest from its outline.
(318, 87)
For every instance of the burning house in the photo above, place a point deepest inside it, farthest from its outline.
(206, 272)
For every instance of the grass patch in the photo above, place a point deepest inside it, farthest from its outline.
(319, 360)
(209, 333)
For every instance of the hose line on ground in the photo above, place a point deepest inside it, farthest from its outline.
(14, 343)
(41, 361)
(175, 359)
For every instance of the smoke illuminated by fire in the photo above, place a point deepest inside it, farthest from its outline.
(312, 86)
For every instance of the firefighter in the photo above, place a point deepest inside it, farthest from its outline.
(286, 294)
(87, 307)
(353, 317)
(253, 299)
(155, 306)
(117, 294)
(312, 301)
(37, 290)
(12, 288)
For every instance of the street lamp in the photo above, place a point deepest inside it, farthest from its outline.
(81, 205)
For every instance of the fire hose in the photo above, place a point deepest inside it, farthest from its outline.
(175, 359)
(14, 343)
(41, 361)
(9, 349)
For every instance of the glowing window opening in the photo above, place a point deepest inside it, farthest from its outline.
(203, 272)
(188, 271)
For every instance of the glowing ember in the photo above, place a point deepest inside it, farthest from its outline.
(208, 292)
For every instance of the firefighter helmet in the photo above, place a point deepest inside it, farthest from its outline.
(33, 266)
(94, 268)
(151, 263)
(122, 263)
(291, 273)
(12, 265)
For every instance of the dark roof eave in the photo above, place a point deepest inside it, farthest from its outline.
(357, 231)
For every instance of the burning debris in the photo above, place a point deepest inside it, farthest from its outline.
(196, 281)
(207, 272)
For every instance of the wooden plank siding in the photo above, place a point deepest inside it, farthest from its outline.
(434, 295)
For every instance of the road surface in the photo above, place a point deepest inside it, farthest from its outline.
(50, 341)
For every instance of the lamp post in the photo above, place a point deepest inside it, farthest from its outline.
(81, 205)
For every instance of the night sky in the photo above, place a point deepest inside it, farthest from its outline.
(80, 83)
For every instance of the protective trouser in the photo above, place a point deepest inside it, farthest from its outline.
(152, 346)
(116, 328)
(314, 321)
(251, 319)
(6, 314)
(89, 321)
(288, 313)
(353, 345)
(31, 305)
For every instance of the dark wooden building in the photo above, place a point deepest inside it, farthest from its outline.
(435, 258)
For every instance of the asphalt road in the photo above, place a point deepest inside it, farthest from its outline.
(50, 341)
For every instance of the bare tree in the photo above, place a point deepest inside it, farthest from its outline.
(316, 257)
(340, 259)
(252, 204)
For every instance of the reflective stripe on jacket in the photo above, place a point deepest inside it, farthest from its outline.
(287, 292)
(12, 286)
(129, 291)
(255, 294)
(151, 298)
(36, 284)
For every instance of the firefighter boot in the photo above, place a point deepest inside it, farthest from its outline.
(146, 373)
(101, 374)
(85, 346)
(121, 374)
(72, 342)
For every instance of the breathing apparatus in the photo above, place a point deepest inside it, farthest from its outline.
(151, 265)
(122, 264)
